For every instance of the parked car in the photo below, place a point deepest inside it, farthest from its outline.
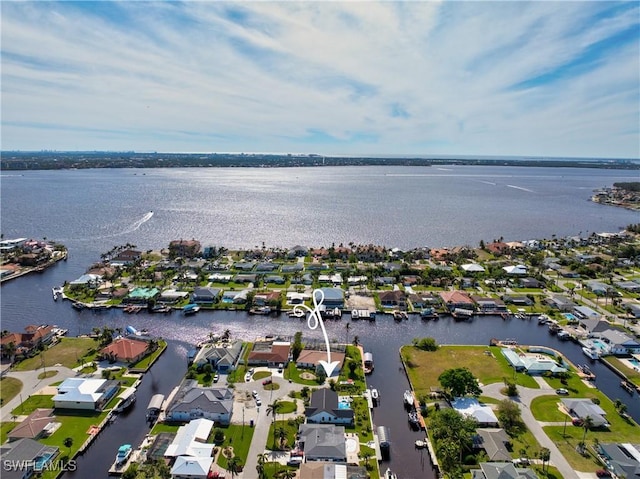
(247, 377)
(254, 393)
(562, 391)
(576, 421)
(216, 378)
(603, 473)
(267, 381)
(521, 461)
(258, 401)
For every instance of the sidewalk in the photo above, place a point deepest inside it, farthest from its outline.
(32, 385)
(526, 396)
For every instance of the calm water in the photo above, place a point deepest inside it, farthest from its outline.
(93, 210)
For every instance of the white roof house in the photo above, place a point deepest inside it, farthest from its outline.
(473, 268)
(87, 279)
(519, 270)
(196, 467)
(191, 440)
(84, 393)
(471, 407)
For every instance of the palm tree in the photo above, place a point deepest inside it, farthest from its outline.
(356, 340)
(281, 434)
(68, 442)
(347, 326)
(545, 455)
(587, 423)
(262, 459)
(288, 474)
(272, 409)
(233, 465)
(226, 335)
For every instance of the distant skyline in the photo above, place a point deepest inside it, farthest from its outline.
(557, 79)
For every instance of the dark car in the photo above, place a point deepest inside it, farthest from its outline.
(267, 381)
(603, 473)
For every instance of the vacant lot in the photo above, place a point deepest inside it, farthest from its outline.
(66, 353)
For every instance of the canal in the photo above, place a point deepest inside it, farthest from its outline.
(383, 338)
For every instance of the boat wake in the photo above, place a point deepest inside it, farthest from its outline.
(133, 227)
(521, 188)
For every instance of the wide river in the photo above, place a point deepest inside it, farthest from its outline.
(91, 211)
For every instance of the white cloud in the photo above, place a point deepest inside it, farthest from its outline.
(267, 76)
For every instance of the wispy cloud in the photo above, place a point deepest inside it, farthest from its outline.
(512, 78)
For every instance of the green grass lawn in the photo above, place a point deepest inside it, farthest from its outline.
(5, 429)
(291, 429)
(32, 403)
(163, 427)
(424, 367)
(67, 353)
(362, 422)
(9, 388)
(293, 373)
(261, 375)
(286, 407)
(239, 437)
(47, 374)
(146, 362)
(633, 376)
(545, 408)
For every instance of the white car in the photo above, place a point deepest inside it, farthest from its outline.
(258, 401)
(254, 393)
(247, 377)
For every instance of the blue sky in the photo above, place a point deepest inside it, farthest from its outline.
(357, 78)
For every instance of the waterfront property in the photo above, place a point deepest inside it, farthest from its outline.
(623, 460)
(324, 408)
(30, 454)
(269, 353)
(494, 442)
(223, 356)
(323, 442)
(471, 407)
(310, 359)
(192, 401)
(191, 440)
(582, 408)
(85, 393)
(125, 350)
(502, 470)
(40, 423)
(26, 343)
(533, 364)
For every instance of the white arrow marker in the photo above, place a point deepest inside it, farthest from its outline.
(313, 321)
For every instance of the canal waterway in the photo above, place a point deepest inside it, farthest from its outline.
(383, 338)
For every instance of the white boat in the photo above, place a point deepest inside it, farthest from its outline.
(57, 292)
(421, 444)
(389, 475)
(190, 309)
(408, 397)
(591, 353)
(128, 397)
(374, 394)
(124, 452)
(563, 335)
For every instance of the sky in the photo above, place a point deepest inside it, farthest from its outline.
(542, 78)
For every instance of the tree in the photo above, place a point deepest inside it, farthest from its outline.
(508, 413)
(296, 347)
(545, 456)
(587, 423)
(233, 465)
(262, 459)
(449, 426)
(425, 344)
(459, 382)
(68, 442)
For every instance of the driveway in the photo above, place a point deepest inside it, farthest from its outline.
(32, 385)
(526, 395)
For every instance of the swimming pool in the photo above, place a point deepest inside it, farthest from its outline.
(601, 345)
(570, 317)
(634, 362)
(344, 405)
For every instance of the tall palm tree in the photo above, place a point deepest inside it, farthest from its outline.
(233, 465)
(272, 409)
(587, 423)
(262, 459)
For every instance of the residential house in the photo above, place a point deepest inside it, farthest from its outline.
(298, 252)
(633, 308)
(172, 296)
(220, 278)
(310, 359)
(473, 268)
(494, 442)
(333, 297)
(331, 470)
(275, 279)
(88, 280)
(393, 299)
(31, 455)
(517, 270)
(191, 440)
(292, 268)
(126, 257)
(323, 442)
(266, 267)
(489, 305)
(581, 408)
(532, 364)
(497, 247)
(40, 423)
(471, 407)
(530, 283)
(456, 299)
(269, 353)
(125, 350)
(385, 280)
(244, 266)
(585, 312)
(184, 248)
(502, 470)
(194, 402)
(324, 409)
(142, 295)
(619, 342)
(333, 279)
(630, 286)
(561, 303)
(598, 288)
(623, 460)
(187, 467)
(594, 326)
(223, 357)
(263, 299)
(85, 393)
(517, 300)
(205, 295)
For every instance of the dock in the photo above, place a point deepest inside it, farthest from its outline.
(119, 469)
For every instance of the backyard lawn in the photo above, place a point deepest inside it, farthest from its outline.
(9, 388)
(239, 437)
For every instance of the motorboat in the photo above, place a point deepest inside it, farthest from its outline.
(374, 394)
(421, 443)
(389, 475)
(124, 452)
(190, 309)
(408, 398)
(591, 353)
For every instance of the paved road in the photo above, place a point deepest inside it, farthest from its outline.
(262, 422)
(526, 395)
(31, 385)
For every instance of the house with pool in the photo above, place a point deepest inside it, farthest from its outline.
(326, 408)
(532, 364)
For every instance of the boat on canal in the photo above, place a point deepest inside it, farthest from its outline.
(190, 309)
(429, 313)
(408, 398)
(591, 353)
(388, 474)
(124, 452)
